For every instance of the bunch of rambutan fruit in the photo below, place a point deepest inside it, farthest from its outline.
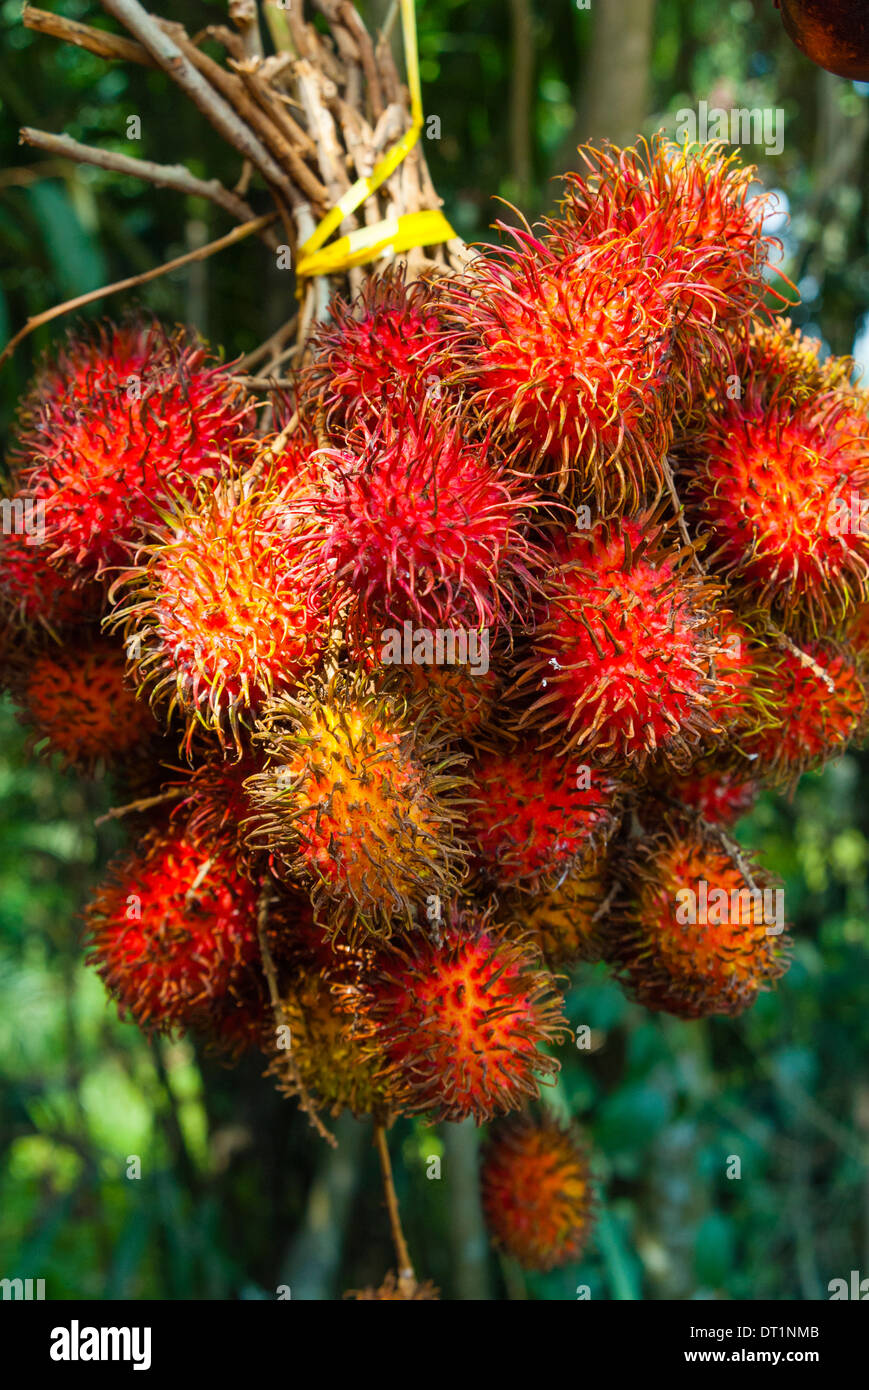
(461, 672)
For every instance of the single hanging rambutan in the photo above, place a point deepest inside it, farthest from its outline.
(537, 1191)
(566, 922)
(383, 347)
(619, 666)
(77, 703)
(173, 931)
(779, 492)
(392, 1291)
(419, 524)
(702, 929)
(221, 612)
(359, 802)
(535, 818)
(695, 212)
(565, 348)
(102, 466)
(462, 1023)
(820, 702)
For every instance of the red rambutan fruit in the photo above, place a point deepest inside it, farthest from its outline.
(695, 212)
(566, 349)
(718, 795)
(359, 802)
(535, 818)
(173, 931)
(619, 664)
(382, 347)
(418, 523)
(222, 611)
(103, 464)
(779, 492)
(702, 928)
(77, 704)
(462, 1023)
(820, 703)
(537, 1191)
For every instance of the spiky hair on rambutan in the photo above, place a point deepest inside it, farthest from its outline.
(384, 345)
(462, 1022)
(739, 701)
(786, 364)
(361, 801)
(563, 347)
(392, 1290)
(695, 208)
(619, 666)
(210, 802)
(537, 1191)
(101, 464)
(701, 929)
(76, 703)
(717, 793)
(535, 817)
(463, 696)
(778, 493)
(820, 697)
(416, 520)
(220, 609)
(173, 931)
(567, 922)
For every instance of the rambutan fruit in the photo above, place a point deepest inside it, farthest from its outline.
(619, 666)
(537, 1191)
(563, 921)
(781, 363)
(173, 931)
(33, 590)
(77, 704)
(418, 522)
(360, 802)
(696, 213)
(702, 928)
(211, 802)
(779, 493)
(222, 611)
(383, 346)
(102, 464)
(535, 817)
(739, 703)
(462, 1023)
(820, 699)
(393, 1291)
(565, 348)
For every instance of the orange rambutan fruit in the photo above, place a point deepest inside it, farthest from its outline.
(463, 696)
(77, 703)
(535, 817)
(462, 1022)
(820, 701)
(360, 802)
(695, 211)
(779, 494)
(782, 363)
(537, 1191)
(619, 666)
(173, 931)
(565, 346)
(416, 521)
(102, 463)
(563, 921)
(381, 348)
(221, 611)
(702, 927)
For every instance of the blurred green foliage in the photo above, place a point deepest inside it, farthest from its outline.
(231, 1176)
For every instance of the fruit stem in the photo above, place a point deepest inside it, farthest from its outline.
(406, 1275)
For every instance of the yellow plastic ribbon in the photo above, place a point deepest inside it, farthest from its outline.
(394, 233)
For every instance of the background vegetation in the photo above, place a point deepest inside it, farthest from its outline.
(237, 1196)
